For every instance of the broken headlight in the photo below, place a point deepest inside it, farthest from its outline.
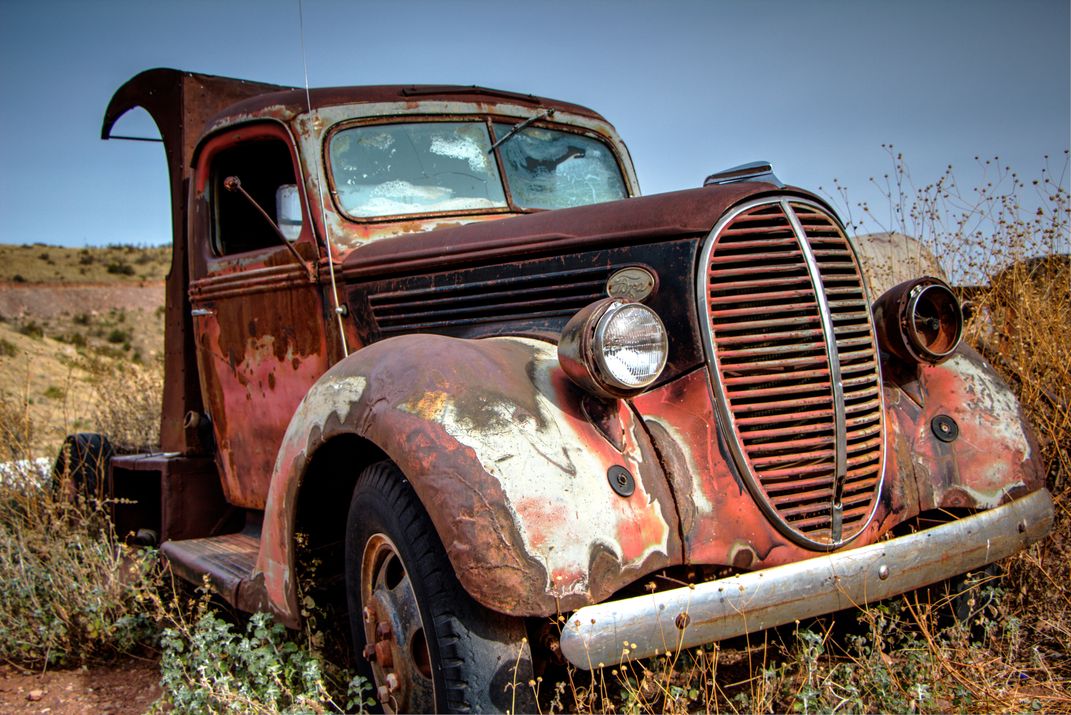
(919, 321)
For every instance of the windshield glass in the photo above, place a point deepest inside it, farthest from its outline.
(393, 169)
(551, 169)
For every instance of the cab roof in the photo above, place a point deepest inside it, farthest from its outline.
(296, 101)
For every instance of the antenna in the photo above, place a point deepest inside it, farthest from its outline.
(340, 310)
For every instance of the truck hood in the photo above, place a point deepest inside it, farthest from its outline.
(671, 215)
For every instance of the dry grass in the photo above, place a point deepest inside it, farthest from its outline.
(72, 594)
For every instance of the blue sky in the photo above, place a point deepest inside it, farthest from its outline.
(815, 87)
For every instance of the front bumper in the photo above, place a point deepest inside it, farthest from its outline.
(703, 613)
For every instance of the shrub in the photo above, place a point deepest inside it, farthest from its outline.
(8, 348)
(208, 666)
(71, 593)
(78, 340)
(120, 268)
(118, 335)
(128, 402)
(32, 330)
(16, 429)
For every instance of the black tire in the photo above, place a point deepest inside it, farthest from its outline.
(452, 654)
(82, 464)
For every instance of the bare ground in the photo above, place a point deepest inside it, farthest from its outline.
(125, 687)
(51, 300)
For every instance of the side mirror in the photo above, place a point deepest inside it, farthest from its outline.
(288, 211)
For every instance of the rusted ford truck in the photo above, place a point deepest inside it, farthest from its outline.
(434, 338)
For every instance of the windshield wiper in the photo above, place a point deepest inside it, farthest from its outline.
(519, 126)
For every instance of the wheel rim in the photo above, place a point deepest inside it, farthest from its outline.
(397, 644)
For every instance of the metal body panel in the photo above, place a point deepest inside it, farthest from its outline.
(497, 445)
(685, 617)
(259, 353)
(510, 459)
(260, 327)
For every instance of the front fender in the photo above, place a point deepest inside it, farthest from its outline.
(494, 439)
(993, 456)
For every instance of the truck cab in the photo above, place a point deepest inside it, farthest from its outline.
(434, 337)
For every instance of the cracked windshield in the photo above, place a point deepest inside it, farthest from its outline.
(393, 169)
(426, 167)
(549, 169)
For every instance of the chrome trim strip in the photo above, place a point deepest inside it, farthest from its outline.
(877, 367)
(652, 624)
(835, 379)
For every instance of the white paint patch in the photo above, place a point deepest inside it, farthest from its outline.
(994, 398)
(335, 397)
(698, 494)
(323, 400)
(552, 467)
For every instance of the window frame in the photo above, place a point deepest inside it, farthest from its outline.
(205, 186)
(488, 120)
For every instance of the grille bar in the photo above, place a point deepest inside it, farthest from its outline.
(792, 354)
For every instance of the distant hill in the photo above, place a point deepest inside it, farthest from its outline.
(69, 317)
(40, 263)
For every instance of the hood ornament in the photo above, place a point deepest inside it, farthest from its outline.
(755, 171)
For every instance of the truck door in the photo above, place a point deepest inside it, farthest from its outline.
(257, 311)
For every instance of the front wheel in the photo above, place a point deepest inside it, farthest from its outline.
(428, 645)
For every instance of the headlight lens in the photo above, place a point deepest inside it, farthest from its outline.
(631, 344)
(613, 348)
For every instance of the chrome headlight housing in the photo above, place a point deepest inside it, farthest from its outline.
(919, 321)
(614, 348)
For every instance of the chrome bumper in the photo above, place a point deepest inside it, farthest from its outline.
(685, 617)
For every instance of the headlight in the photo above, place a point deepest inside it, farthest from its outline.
(613, 348)
(919, 321)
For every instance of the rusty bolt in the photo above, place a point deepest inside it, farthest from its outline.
(369, 653)
(383, 654)
(883, 572)
(383, 631)
(369, 615)
(392, 682)
(384, 693)
(681, 621)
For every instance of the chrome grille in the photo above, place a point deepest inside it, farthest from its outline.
(793, 357)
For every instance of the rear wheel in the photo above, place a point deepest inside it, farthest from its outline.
(428, 646)
(82, 465)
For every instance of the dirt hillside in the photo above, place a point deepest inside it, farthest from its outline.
(59, 333)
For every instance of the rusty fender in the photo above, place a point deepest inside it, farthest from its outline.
(965, 435)
(494, 439)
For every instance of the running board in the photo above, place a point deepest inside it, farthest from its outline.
(227, 560)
